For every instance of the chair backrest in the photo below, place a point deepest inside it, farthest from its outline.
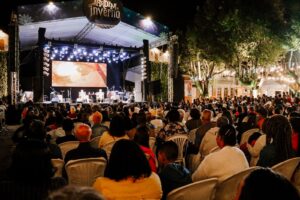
(84, 172)
(67, 146)
(152, 142)
(58, 164)
(181, 140)
(192, 135)
(95, 142)
(200, 190)
(296, 178)
(247, 134)
(287, 167)
(227, 189)
(108, 147)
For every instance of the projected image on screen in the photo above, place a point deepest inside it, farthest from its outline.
(78, 74)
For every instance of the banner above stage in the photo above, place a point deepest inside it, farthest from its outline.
(103, 13)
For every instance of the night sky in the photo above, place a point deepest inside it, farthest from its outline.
(174, 14)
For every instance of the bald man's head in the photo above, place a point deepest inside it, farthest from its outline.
(83, 133)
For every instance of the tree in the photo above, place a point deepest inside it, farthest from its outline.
(239, 34)
(3, 74)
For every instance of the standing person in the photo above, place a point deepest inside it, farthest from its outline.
(128, 174)
(224, 163)
(172, 175)
(279, 143)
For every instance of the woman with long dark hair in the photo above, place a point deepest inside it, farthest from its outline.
(128, 174)
(278, 142)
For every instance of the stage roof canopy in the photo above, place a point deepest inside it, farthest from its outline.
(65, 21)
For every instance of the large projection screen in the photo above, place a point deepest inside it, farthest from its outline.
(78, 74)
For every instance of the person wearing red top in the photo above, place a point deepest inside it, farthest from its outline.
(142, 139)
(295, 123)
(262, 113)
(72, 114)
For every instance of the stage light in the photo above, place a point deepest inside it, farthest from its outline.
(148, 24)
(77, 53)
(46, 73)
(51, 8)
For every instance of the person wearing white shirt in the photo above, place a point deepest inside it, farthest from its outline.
(225, 162)
(209, 140)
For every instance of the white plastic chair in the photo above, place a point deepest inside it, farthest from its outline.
(95, 142)
(67, 146)
(296, 178)
(287, 167)
(227, 189)
(84, 172)
(108, 147)
(200, 190)
(192, 135)
(247, 134)
(152, 141)
(58, 164)
(181, 141)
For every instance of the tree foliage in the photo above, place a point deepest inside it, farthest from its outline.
(3, 74)
(241, 34)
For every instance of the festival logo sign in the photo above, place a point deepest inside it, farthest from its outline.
(103, 13)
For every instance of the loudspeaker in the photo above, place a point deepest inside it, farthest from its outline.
(155, 87)
(41, 32)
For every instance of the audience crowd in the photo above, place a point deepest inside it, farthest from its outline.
(221, 137)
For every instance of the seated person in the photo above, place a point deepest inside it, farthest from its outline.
(225, 162)
(128, 174)
(116, 131)
(83, 134)
(142, 138)
(72, 192)
(97, 129)
(30, 175)
(68, 126)
(171, 174)
(263, 183)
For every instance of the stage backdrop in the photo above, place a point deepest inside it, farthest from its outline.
(79, 74)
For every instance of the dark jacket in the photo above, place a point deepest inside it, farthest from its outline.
(84, 150)
(269, 157)
(66, 138)
(173, 176)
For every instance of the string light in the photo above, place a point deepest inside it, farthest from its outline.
(83, 54)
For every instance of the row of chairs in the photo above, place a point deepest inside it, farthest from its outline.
(82, 172)
(210, 189)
